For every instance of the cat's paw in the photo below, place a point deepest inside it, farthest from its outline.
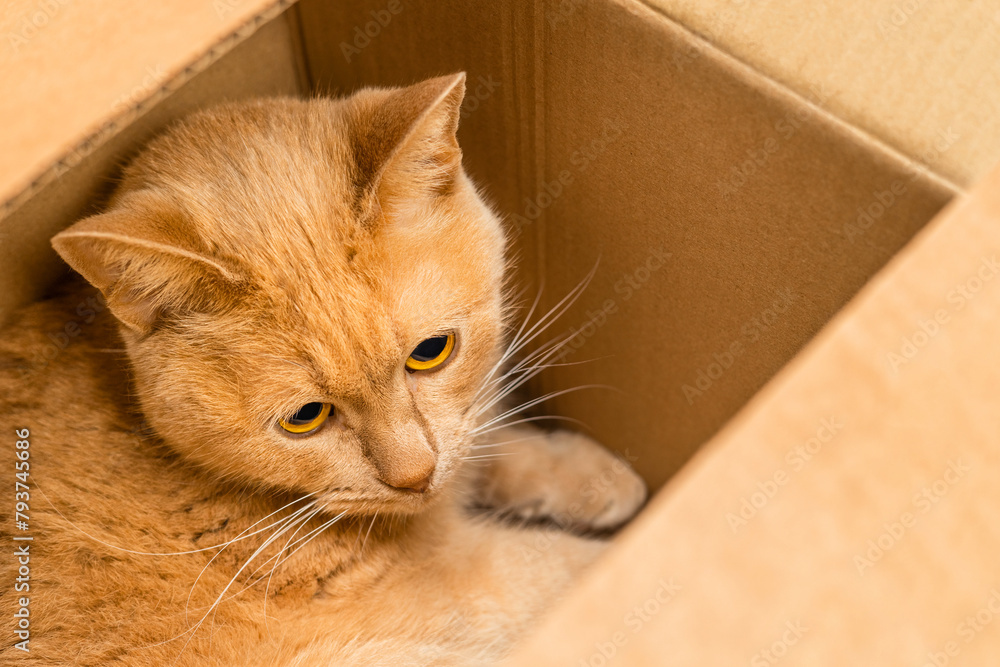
(563, 476)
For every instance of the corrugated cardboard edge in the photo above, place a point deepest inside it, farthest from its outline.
(769, 81)
(904, 70)
(113, 125)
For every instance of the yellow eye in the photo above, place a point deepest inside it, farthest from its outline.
(308, 418)
(431, 353)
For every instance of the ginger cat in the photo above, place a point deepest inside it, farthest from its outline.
(270, 431)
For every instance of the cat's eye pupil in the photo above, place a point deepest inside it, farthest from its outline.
(431, 353)
(430, 348)
(307, 419)
(307, 413)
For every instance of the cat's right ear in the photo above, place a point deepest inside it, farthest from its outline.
(404, 141)
(142, 265)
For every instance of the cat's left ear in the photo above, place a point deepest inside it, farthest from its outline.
(144, 264)
(405, 140)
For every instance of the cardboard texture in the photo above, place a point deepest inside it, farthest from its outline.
(904, 71)
(845, 516)
(71, 150)
(733, 188)
(77, 69)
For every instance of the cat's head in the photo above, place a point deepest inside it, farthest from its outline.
(310, 292)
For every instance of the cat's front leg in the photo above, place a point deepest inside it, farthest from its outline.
(561, 475)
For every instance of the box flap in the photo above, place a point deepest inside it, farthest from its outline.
(905, 71)
(846, 515)
(71, 70)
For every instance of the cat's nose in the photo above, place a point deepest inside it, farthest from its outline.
(407, 467)
(402, 456)
(416, 485)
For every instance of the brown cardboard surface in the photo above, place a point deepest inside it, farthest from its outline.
(267, 63)
(754, 195)
(903, 70)
(68, 69)
(880, 547)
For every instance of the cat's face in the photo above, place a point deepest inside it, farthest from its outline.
(270, 259)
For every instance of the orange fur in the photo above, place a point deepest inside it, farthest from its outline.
(257, 257)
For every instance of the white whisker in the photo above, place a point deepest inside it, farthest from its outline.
(525, 365)
(523, 337)
(506, 354)
(307, 537)
(288, 524)
(486, 456)
(222, 545)
(502, 443)
(554, 313)
(367, 534)
(532, 419)
(277, 561)
(534, 402)
(527, 374)
(282, 524)
(312, 535)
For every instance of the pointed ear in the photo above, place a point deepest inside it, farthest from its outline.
(404, 140)
(143, 265)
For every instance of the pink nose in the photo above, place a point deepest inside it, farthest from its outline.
(416, 485)
(402, 455)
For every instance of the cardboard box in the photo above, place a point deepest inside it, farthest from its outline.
(733, 201)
